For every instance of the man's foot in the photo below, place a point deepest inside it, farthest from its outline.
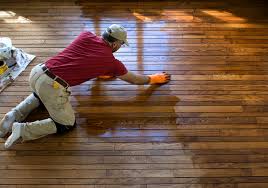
(6, 123)
(16, 134)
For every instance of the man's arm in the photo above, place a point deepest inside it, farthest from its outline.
(133, 78)
(138, 79)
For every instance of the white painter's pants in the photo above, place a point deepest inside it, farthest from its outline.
(56, 102)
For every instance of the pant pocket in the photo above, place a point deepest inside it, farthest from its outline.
(62, 98)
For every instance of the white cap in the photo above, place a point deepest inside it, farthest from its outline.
(118, 32)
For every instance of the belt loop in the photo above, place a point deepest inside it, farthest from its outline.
(46, 69)
(66, 86)
(55, 78)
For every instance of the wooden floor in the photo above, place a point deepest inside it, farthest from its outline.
(207, 128)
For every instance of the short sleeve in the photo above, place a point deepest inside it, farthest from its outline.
(120, 68)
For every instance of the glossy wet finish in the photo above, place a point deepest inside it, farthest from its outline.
(206, 128)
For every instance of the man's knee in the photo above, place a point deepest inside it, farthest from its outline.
(60, 127)
(64, 128)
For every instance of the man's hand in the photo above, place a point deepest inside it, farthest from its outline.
(159, 78)
(105, 77)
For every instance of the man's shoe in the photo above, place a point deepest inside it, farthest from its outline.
(16, 134)
(6, 124)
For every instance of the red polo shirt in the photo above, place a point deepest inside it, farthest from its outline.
(87, 57)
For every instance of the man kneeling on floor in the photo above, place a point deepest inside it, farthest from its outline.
(87, 57)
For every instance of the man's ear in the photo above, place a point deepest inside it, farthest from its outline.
(114, 44)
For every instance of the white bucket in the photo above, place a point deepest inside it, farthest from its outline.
(5, 48)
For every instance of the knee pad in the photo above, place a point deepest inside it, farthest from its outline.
(64, 128)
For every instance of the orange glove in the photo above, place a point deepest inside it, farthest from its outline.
(105, 77)
(159, 78)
